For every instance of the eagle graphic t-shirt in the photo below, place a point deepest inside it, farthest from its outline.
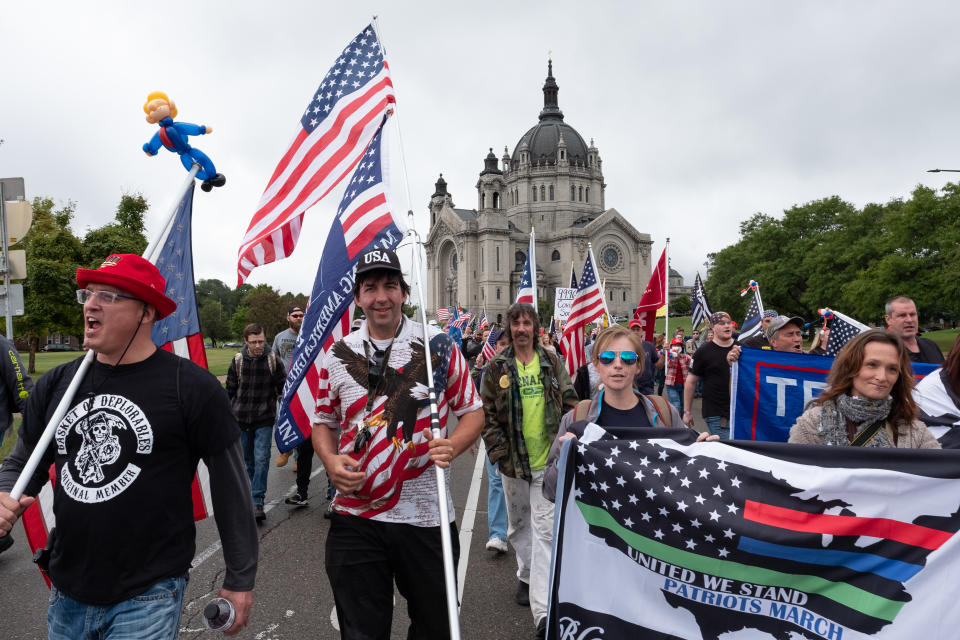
(394, 451)
(126, 453)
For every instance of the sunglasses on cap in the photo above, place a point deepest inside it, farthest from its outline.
(626, 357)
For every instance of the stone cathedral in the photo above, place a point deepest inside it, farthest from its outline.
(553, 182)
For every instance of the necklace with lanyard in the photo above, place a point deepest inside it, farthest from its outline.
(376, 373)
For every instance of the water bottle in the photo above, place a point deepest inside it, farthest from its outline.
(218, 614)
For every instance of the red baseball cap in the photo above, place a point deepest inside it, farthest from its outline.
(135, 274)
(635, 323)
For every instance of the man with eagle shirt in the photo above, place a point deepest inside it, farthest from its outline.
(126, 454)
(372, 433)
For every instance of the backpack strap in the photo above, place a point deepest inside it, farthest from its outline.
(272, 362)
(580, 410)
(662, 407)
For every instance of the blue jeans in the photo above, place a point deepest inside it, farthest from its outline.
(496, 504)
(675, 395)
(256, 453)
(718, 426)
(153, 615)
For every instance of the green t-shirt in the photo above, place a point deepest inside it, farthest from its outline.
(531, 399)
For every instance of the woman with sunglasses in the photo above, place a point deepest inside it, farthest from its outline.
(868, 399)
(615, 356)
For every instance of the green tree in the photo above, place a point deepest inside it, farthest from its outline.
(680, 305)
(53, 255)
(123, 235)
(214, 321)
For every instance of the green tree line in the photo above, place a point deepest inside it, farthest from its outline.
(829, 253)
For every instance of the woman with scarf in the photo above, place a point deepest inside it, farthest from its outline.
(868, 399)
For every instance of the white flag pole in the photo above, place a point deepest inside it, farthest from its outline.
(666, 297)
(64, 405)
(759, 300)
(531, 251)
(446, 545)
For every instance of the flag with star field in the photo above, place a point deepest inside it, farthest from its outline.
(668, 538)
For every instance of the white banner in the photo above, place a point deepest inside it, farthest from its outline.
(562, 303)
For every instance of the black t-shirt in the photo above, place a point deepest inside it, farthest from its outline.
(613, 417)
(644, 380)
(929, 352)
(126, 453)
(710, 364)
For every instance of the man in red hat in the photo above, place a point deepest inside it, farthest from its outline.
(126, 453)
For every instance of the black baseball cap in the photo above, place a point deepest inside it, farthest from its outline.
(378, 260)
(294, 308)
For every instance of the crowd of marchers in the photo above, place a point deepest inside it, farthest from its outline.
(507, 387)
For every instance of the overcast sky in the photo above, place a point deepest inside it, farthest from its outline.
(704, 112)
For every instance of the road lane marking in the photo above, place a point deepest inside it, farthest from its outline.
(469, 516)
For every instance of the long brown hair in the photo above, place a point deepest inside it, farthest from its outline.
(952, 366)
(849, 362)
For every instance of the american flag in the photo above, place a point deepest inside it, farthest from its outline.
(842, 328)
(701, 310)
(751, 323)
(178, 333)
(460, 319)
(587, 306)
(482, 323)
(340, 121)
(527, 291)
(365, 220)
(489, 347)
(444, 315)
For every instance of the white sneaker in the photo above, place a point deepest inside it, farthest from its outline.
(497, 544)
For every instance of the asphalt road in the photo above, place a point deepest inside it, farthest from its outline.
(293, 600)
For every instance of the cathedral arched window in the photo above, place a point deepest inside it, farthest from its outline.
(498, 293)
(555, 256)
(543, 193)
(563, 154)
(573, 193)
(483, 201)
(624, 296)
(498, 269)
(551, 192)
(587, 196)
(520, 259)
(496, 199)
(581, 194)
(534, 194)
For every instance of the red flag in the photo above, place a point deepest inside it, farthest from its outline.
(653, 298)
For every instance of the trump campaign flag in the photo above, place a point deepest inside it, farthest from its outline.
(178, 333)
(365, 220)
(340, 120)
(769, 389)
(752, 540)
(654, 297)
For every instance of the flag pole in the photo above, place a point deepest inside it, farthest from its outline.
(759, 299)
(64, 405)
(533, 267)
(446, 544)
(666, 298)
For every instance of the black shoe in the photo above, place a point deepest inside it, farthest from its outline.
(541, 629)
(328, 510)
(6, 542)
(216, 181)
(258, 513)
(522, 596)
(297, 500)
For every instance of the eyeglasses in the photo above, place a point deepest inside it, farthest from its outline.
(626, 357)
(103, 297)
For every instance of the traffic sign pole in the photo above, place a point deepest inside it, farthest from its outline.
(6, 258)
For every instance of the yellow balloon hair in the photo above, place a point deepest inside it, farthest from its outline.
(154, 95)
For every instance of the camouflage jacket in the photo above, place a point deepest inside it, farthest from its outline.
(503, 411)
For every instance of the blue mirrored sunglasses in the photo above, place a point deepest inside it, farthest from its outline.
(626, 357)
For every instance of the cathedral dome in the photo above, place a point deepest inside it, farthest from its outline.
(543, 138)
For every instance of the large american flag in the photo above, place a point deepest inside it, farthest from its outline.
(365, 220)
(701, 309)
(587, 306)
(335, 129)
(842, 328)
(489, 347)
(527, 291)
(178, 333)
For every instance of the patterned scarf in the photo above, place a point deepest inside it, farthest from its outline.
(862, 411)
